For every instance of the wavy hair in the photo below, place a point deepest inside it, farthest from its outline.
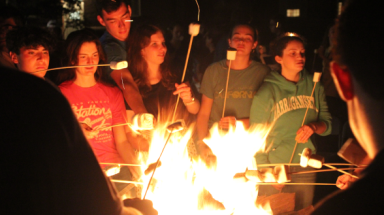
(139, 39)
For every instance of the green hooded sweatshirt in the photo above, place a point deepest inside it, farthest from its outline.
(282, 104)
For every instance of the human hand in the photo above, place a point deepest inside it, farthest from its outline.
(185, 92)
(206, 154)
(344, 181)
(304, 133)
(143, 205)
(226, 122)
(88, 131)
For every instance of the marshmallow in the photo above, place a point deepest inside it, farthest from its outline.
(231, 54)
(281, 174)
(316, 76)
(305, 156)
(316, 161)
(194, 29)
(118, 65)
(112, 170)
(143, 121)
(176, 126)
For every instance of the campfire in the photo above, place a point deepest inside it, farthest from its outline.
(185, 183)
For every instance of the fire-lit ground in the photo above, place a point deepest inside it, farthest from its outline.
(178, 184)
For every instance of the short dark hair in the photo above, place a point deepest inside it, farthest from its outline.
(109, 5)
(29, 37)
(359, 45)
(281, 42)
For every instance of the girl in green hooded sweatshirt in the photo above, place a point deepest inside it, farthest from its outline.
(281, 102)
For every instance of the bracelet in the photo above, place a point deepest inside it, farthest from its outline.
(189, 103)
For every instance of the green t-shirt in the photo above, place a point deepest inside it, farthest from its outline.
(242, 86)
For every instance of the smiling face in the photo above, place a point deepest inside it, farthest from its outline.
(155, 52)
(31, 60)
(293, 57)
(116, 22)
(88, 55)
(243, 40)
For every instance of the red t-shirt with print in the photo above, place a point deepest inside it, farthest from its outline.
(99, 106)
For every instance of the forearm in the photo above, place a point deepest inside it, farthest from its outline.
(194, 107)
(202, 126)
(318, 127)
(131, 93)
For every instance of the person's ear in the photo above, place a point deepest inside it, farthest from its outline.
(343, 81)
(254, 45)
(278, 59)
(130, 10)
(101, 20)
(14, 58)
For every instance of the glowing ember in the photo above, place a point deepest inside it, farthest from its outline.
(185, 184)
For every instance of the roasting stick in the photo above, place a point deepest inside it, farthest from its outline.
(332, 167)
(114, 65)
(193, 31)
(316, 78)
(323, 170)
(297, 164)
(290, 183)
(121, 164)
(231, 55)
(157, 163)
(126, 182)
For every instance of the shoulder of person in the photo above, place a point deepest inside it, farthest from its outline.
(65, 85)
(260, 67)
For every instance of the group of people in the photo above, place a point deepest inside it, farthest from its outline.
(104, 100)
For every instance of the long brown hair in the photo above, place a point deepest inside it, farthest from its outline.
(139, 39)
(72, 47)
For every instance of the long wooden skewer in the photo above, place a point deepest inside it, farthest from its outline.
(305, 115)
(297, 164)
(157, 163)
(69, 67)
(122, 164)
(323, 170)
(293, 183)
(342, 171)
(226, 88)
(184, 71)
(126, 182)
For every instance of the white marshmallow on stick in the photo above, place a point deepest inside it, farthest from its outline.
(316, 161)
(231, 55)
(143, 121)
(194, 29)
(316, 76)
(305, 156)
(118, 65)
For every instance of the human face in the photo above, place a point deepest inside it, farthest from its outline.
(116, 22)
(32, 60)
(88, 55)
(293, 58)
(155, 52)
(242, 40)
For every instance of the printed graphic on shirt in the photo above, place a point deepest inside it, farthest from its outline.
(293, 103)
(97, 115)
(236, 94)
